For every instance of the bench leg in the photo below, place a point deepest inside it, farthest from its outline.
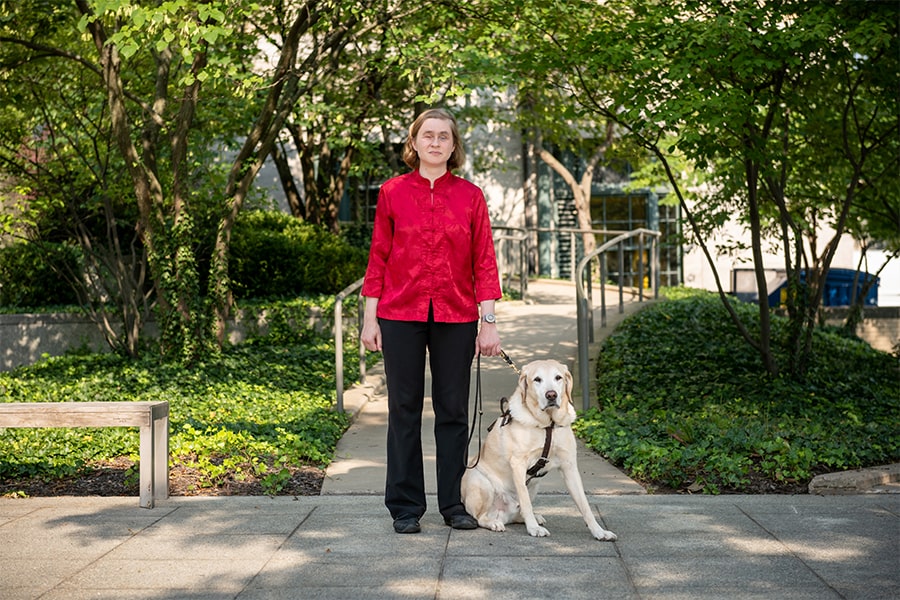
(155, 461)
(146, 458)
(161, 457)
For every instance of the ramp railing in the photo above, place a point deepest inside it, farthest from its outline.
(584, 292)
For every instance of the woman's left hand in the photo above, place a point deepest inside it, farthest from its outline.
(488, 340)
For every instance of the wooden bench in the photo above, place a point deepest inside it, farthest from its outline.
(151, 417)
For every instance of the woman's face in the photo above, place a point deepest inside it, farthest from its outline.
(434, 143)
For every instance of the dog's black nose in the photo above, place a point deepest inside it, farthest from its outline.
(551, 398)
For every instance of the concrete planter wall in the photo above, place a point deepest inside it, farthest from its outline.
(26, 338)
(880, 327)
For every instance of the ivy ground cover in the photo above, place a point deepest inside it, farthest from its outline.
(258, 411)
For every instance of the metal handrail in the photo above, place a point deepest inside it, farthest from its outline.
(571, 232)
(339, 340)
(584, 298)
(521, 241)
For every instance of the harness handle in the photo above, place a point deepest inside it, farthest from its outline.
(535, 470)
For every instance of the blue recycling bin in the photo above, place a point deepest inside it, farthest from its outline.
(838, 288)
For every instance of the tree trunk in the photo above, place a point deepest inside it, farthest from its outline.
(765, 325)
(250, 159)
(294, 199)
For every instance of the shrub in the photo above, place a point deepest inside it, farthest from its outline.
(273, 255)
(34, 275)
(358, 235)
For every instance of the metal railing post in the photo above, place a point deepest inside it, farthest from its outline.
(583, 354)
(339, 354)
(604, 275)
(621, 277)
(360, 314)
(655, 266)
(641, 267)
(339, 342)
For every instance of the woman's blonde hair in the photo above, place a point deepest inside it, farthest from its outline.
(411, 157)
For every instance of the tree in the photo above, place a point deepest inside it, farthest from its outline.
(874, 220)
(790, 104)
(586, 142)
(177, 82)
(520, 45)
(334, 127)
(61, 156)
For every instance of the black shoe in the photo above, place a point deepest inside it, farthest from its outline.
(407, 525)
(461, 521)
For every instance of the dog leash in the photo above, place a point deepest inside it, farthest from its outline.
(510, 362)
(479, 406)
(479, 411)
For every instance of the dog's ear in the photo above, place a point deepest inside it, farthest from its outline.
(570, 382)
(523, 382)
(521, 386)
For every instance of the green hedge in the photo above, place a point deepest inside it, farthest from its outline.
(685, 402)
(274, 255)
(31, 275)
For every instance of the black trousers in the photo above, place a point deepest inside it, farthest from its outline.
(451, 348)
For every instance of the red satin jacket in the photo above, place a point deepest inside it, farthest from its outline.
(431, 245)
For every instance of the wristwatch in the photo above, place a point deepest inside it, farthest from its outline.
(489, 318)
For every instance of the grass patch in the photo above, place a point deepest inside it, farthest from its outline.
(256, 411)
(685, 403)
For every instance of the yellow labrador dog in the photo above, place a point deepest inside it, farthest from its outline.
(533, 436)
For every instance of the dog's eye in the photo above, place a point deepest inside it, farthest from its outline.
(538, 380)
(558, 377)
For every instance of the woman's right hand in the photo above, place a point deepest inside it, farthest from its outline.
(371, 336)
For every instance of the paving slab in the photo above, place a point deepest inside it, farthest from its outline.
(343, 546)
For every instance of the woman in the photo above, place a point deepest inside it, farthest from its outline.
(431, 265)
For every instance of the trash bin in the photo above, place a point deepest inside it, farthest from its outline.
(838, 288)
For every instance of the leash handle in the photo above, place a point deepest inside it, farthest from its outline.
(479, 410)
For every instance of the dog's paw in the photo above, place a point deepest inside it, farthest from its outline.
(603, 535)
(540, 520)
(495, 526)
(537, 531)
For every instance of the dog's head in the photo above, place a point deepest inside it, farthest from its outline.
(546, 386)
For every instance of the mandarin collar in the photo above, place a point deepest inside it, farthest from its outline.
(439, 181)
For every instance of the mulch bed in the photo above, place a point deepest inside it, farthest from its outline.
(110, 479)
(757, 484)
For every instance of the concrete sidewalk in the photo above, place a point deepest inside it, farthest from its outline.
(341, 545)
